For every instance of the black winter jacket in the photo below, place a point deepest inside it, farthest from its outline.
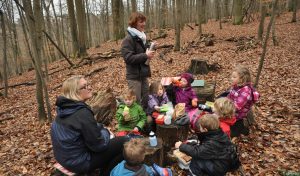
(75, 135)
(133, 51)
(215, 156)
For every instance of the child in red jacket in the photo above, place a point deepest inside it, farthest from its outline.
(225, 110)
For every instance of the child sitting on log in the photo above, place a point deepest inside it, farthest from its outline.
(157, 98)
(244, 96)
(130, 115)
(215, 155)
(225, 110)
(133, 163)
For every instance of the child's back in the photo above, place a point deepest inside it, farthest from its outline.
(215, 155)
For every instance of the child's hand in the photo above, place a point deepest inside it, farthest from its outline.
(157, 108)
(126, 116)
(125, 113)
(195, 102)
(136, 129)
(177, 144)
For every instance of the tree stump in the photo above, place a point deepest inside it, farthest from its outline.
(198, 66)
(154, 154)
(209, 42)
(170, 134)
(206, 93)
(104, 106)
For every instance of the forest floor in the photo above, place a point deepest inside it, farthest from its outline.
(273, 145)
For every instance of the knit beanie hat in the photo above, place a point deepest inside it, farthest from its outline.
(189, 77)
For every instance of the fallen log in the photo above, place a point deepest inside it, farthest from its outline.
(6, 118)
(19, 84)
(161, 36)
(96, 71)
(164, 46)
(190, 26)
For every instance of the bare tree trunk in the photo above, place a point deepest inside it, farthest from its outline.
(133, 6)
(49, 30)
(13, 35)
(275, 41)
(118, 20)
(81, 25)
(226, 11)
(35, 36)
(4, 54)
(90, 39)
(200, 16)
(73, 26)
(262, 58)
(107, 21)
(62, 27)
(219, 14)
(57, 34)
(164, 15)
(177, 21)
(262, 20)
(237, 12)
(147, 13)
(294, 11)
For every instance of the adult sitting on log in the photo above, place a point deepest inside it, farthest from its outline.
(80, 144)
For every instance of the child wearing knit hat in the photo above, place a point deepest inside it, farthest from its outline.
(184, 92)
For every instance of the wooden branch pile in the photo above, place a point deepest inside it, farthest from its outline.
(244, 43)
(162, 55)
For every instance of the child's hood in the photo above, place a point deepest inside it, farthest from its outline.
(228, 121)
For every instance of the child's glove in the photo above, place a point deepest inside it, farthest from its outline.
(195, 102)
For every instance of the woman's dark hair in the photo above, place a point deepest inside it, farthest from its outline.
(134, 18)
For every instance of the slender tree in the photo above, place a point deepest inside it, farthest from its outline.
(133, 6)
(118, 20)
(262, 58)
(73, 26)
(262, 20)
(294, 11)
(35, 36)
(4, 54)
(82, 26)
(177, 14)
(237, 12)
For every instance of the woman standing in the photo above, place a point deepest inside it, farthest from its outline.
(136, 54)
(80, 144)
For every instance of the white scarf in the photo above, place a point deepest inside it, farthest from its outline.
(135, 32)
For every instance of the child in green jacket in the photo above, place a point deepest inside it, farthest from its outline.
(130, 115)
